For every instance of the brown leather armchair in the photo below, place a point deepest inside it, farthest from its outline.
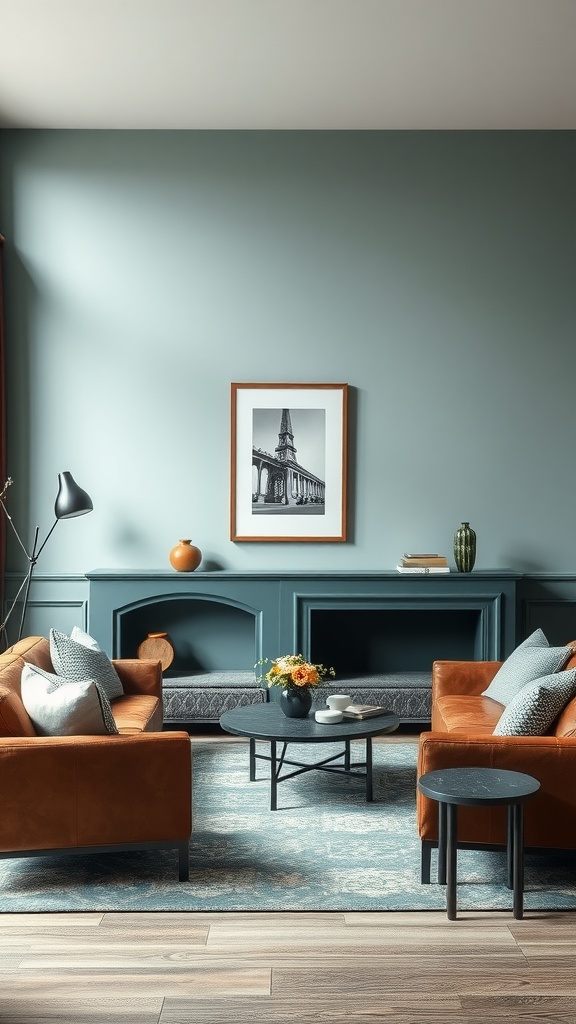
(93, 793)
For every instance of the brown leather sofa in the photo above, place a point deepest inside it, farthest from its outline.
(92, 793)
(461, 736)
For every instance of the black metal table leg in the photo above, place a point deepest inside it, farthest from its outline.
(273, 777)
(347, 755)
(369, 788)
(451, 862)
(252, 760)
(518, 859)
(442, 843)
(510, 848)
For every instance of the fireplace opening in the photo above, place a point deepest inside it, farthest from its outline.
(207, 636)
(365, 642)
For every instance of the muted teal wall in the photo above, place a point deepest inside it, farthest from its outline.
(432, 271)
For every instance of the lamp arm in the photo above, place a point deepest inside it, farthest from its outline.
(28, 581)
(25, 585)
(36, 553)
(16, 534)
(13, 605)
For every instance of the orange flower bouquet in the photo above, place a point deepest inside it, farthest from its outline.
(292, 672)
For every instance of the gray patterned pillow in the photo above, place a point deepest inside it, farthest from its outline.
(534, 709)
(65, 707)
(75, 658)
(533, 659)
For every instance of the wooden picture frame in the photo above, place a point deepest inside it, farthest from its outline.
(288, 479)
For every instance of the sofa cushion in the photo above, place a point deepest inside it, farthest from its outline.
(79, 657)
(537, 705)
(533, 659)
(136, 713)
(466, 714)
(60, 707)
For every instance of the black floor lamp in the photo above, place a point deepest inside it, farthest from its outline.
(71, 501)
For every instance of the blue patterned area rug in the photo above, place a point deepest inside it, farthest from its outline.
(325, 849)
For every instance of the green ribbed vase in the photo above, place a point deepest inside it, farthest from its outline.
(465, 548)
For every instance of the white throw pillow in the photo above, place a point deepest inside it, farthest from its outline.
(63, 707)
(79, 657)
(533, 659)
(533, 710)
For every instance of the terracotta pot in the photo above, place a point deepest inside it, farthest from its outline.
(157, 646)
(185, 557)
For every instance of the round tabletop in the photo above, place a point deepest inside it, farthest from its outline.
(477, 786)
(268, 722)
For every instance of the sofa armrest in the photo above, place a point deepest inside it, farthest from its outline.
(140, 675)
(62, 792)
(462, 677)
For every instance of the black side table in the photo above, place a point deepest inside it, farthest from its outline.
(479, 787)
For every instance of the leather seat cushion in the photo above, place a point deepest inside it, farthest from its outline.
(467, 714)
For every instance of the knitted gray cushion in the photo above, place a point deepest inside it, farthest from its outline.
(533, 659)
(79, 657)
(64, 707)
(533, 710)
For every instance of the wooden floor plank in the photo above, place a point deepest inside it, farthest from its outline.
(76, 937)
(94, 985)
(80, 1011)
(313, 1011)
(435, 974)
(353, 941)
(50, 920)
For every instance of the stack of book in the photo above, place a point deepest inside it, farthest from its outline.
(360, 711)
(423, 563)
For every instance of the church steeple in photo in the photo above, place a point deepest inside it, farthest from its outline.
(285, 449)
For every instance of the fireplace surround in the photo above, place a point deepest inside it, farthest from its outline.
(380, 630)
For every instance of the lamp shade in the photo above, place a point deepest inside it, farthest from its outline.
(71, 500)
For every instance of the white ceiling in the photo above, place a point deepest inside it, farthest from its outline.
(288, 64)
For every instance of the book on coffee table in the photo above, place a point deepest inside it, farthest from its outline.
(364, 711)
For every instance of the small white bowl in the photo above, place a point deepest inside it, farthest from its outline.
(328, 716)
(338, 701)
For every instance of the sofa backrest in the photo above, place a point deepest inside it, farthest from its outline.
(35, 650)
(14, 719)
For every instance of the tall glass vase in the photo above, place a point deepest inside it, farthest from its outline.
(465, 548)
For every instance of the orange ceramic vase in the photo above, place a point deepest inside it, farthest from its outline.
(185, 557)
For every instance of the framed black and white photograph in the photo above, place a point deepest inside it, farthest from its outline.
(288, 462)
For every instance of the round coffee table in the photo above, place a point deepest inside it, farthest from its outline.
(479, 787)
(268, 722)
